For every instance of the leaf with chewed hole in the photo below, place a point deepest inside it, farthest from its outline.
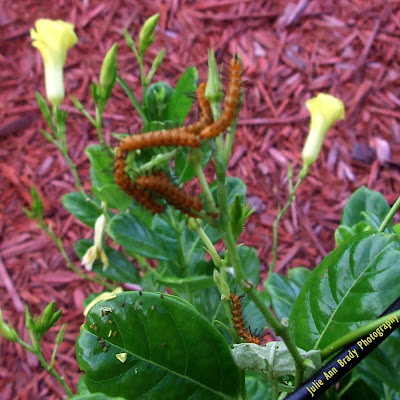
(172, 351)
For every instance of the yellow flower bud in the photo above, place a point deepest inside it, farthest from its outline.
(53, 39)
(325, 110)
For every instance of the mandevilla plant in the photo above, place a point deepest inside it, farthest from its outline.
(181, 334)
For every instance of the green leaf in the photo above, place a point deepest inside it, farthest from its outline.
(344, 232)
(384, 361)
(95, 396)
(37, 206)
(361, 200)
(181, 100)
(369, 380)
(258, 388)
(113, 196)
(120, 269)
(81, 208)
(284, 290)
(235, 186)
(352, 286)
(359, 390)
(156, 100)
(166, 357)
(183, 169)
(136, 238)
(132, 98)
(44, 108)
(273, 359)
(101, 165)
(238, 214)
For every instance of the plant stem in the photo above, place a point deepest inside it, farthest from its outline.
(204, 185)
(207, 242)
(356, 334)
(156, 161)
(216, 112)
(302, 176)
(99, 123)
(70, 265)
(243, 390)
(37, 351)
(250, 290)
(390, 215)
(230, 136)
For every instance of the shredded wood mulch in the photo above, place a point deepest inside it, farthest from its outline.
(290, 52)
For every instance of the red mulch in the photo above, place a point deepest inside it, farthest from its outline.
(349, 48)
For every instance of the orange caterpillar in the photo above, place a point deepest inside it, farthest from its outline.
(123, 181)
(231, 103)
(206, 117)
(162, 185)
(147, 189)
(238, 321)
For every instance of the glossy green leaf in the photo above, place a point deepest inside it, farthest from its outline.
(172, 352)
(183, 96)
(95, 396)
(136, 238)
(384, 361)
(113, 196)
(120, 269)
(361, 200)
(353, 285)
(101, 165)
(81, 208)
(284, 290)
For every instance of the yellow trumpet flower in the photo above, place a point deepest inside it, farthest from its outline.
(53, 39)
(325, 110)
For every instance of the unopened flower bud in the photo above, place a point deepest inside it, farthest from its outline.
(108, 72)
(146, 35)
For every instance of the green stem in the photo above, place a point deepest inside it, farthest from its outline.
(139, 59)
(243, 389)
(70, 265)
(216, 112)
(99, 124)
(62, 145)
(390, 215)
(352, 336)
(275, 390)
(230, 136)
(207, 242)
(302, 176)
(157, 161)
(37, 351)
(54, 373)
(205, 187)
(250, 290)
(133, 99)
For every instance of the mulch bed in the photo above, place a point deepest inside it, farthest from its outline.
(349, 48)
